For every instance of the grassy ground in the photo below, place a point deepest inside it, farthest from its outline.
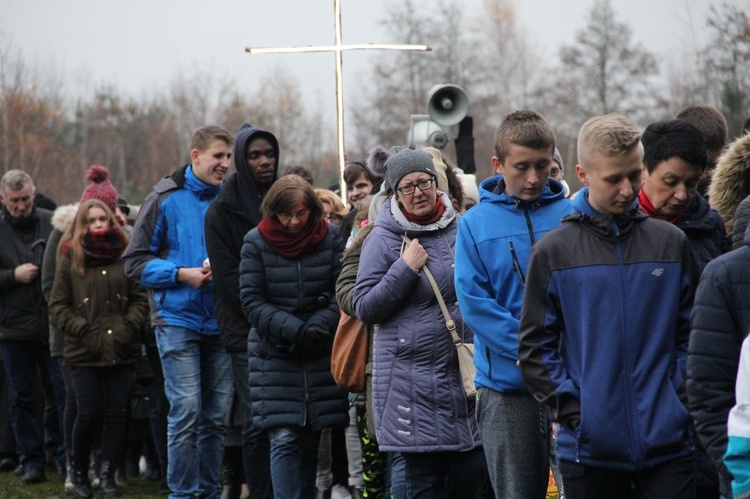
(11, 487)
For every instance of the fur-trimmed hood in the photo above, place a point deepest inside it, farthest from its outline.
(731, 180)
(63, 216)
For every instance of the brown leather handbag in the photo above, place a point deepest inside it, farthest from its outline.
(349, 355)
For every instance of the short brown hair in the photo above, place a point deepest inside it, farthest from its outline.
(710, 123)
(608, 135)
(523, 128)
(205, 136)
(286, 192)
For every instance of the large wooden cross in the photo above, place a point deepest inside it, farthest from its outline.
(338, 48)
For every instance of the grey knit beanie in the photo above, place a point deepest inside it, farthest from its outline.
(405, 162)
(558, 157)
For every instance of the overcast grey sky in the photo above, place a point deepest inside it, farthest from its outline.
(140, 45)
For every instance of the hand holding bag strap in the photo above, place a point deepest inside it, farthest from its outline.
(465, 350)
(448, 320)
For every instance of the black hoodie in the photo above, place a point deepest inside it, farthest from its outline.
(232, 215)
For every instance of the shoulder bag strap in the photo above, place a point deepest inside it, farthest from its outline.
(448, 320)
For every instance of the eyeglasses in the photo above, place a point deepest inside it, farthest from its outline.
(285, 218)
(333, 217)
(423, 185)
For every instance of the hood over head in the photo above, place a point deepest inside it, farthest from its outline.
(250, 192)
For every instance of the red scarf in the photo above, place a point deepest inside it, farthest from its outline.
(429, 218)
(293, 246)
(652, 212)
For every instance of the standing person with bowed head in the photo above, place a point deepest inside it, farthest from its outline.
(419, 404)
(101, 314)
(288, 271)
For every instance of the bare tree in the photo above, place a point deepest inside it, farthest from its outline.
(604, 72)
(728, 61)
(399, 81)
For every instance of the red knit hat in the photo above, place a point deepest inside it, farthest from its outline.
(101, 188)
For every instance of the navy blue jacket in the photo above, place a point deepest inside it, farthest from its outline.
(280, 298)
(719, 323)
(604, 334)
(705, 230)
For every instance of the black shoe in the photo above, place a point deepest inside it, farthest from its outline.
(7, 464)
(33, 475)
(108, 486)
(81, 484)
(164, 486)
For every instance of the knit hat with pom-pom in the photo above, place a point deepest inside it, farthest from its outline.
(100, 188)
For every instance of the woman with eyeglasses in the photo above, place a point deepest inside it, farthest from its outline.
(420, 408)
(288, 270)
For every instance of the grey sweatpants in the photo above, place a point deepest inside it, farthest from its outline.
(514, 431)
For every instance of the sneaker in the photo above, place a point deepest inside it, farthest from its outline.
(69, 479)
(33, 475)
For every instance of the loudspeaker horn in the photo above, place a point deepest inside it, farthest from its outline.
(447, 104)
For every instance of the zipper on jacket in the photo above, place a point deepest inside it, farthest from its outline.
(635, 440)
(516, 263)
(488, 353)
(529, 226)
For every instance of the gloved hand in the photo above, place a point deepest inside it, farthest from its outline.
(311, 341)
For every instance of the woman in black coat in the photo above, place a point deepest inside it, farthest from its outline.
(288, 272)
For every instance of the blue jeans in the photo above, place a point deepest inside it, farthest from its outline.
(23, 361)
(256, 454)
(294, 461)
(197, 382)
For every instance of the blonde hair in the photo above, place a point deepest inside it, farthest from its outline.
(329, 197)
(73, 236)
(607, 135)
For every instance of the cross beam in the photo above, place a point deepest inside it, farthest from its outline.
(338, 49)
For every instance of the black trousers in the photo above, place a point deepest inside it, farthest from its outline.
(670, 480)
(102, 395)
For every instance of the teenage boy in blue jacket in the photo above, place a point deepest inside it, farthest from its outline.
(604, 329)
(167, 255)
(517, 207)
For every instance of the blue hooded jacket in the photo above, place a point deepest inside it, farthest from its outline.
(492, 251)
(167, 236)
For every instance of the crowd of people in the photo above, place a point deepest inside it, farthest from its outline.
(607, 324)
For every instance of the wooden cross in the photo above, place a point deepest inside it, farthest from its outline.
(338, 48)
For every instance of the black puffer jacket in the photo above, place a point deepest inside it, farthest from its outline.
(720, 321)
(23, 310)
(281, 297)
(228, 220)
(705, 230)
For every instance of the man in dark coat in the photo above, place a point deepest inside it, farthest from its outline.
(232, 215)
(720, 321)
(24, 328)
